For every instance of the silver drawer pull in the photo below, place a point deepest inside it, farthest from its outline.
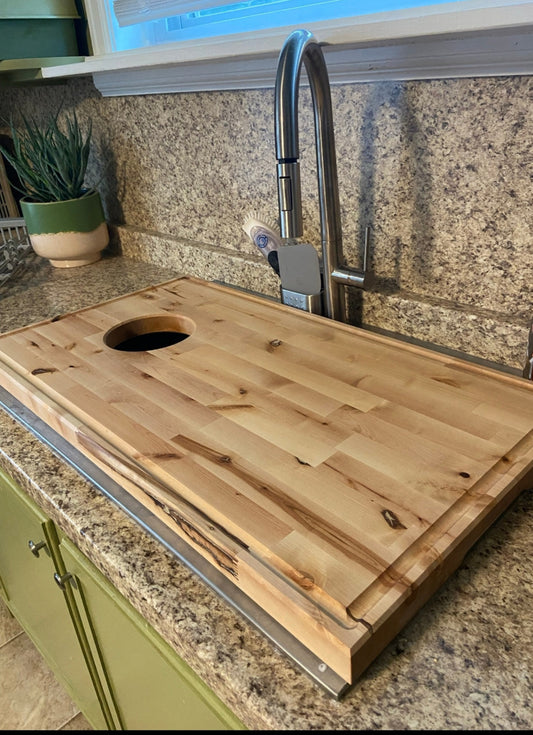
(61, 579)
(35, 548)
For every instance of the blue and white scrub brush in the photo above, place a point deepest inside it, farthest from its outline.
(263, 234)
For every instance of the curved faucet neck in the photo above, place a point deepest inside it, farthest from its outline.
(302, 48)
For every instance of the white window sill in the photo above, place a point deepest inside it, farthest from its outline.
(442, 43)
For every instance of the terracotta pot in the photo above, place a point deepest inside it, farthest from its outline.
(69, 233)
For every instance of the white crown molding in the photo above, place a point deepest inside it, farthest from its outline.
(497, 53)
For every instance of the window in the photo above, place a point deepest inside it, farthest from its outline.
(135, 24)
(200, 45)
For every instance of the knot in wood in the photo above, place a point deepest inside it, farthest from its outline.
(392, 519)
(42, 371)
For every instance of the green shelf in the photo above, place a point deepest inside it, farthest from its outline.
(28, 71)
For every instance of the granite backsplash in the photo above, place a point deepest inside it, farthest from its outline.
(440, 170)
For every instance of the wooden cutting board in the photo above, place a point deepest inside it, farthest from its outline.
(337, 477)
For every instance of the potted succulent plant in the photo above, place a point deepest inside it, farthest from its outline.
(64, 218)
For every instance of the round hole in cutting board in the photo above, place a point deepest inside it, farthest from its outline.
(149, 333)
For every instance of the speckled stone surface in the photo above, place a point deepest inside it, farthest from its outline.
(464, 661)
(439, 169)
(476, 332)
(212, 263)
(42, 291)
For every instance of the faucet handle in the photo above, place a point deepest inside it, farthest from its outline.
(353, 277)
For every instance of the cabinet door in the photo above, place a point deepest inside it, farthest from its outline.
(152, 687)
(35, 599)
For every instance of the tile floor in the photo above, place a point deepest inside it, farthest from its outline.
(31, 698)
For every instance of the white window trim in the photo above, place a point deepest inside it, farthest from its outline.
(474, 38)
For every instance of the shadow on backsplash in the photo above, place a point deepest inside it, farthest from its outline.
(104, 169)
(438, 169)
(419, 164)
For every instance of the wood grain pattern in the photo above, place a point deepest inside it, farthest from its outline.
(334, 475)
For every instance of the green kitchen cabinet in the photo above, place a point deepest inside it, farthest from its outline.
(152, 687)
(39, 33)
(28, 563)
(114, 665)
(40, 28)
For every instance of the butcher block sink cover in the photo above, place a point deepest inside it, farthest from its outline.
(335, 476)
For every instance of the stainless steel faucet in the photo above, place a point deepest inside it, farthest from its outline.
(302, 47)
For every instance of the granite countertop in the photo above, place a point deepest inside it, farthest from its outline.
(464, 661)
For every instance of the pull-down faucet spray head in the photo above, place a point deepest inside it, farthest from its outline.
(287, 142)
(302, 48)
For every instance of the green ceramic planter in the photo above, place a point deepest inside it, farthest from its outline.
(68, 233)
